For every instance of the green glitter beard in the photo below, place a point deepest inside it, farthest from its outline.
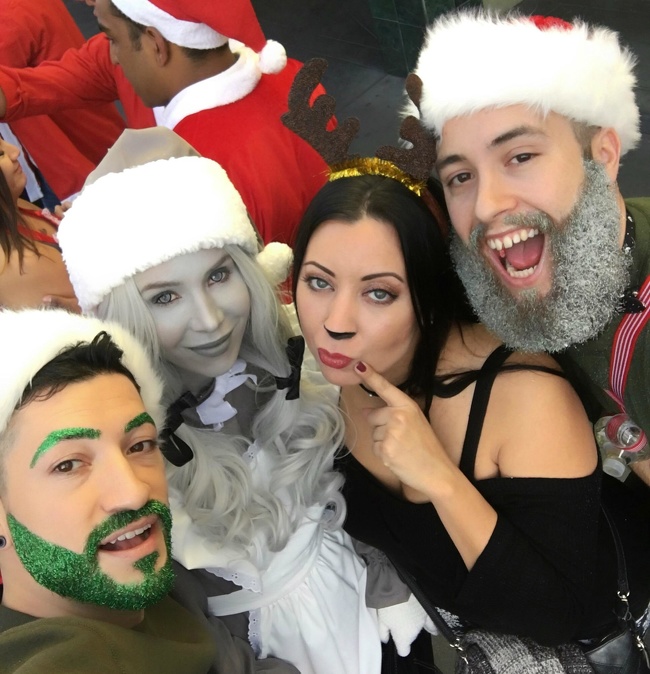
(78, 576)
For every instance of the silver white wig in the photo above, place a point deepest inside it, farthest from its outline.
(301, 435)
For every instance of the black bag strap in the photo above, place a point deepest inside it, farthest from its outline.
(624, 614)
(623, 593)
(430, 609)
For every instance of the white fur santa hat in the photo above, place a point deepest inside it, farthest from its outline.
(473, 60)
(131, 221)
(206, 24)
(31, 338)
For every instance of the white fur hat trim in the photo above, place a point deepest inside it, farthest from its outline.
(183, 33)
(273, 57)
(31, 338)
(131, 221)
(475, 60)
(275, 260)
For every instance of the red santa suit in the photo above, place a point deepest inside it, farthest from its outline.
(234, 118)
(66, 145)
(79, 78)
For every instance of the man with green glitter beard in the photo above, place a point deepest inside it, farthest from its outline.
(84, 522)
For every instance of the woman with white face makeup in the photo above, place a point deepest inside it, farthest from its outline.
(255, 500)
(471, 466)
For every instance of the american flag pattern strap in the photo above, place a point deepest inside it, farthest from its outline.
(623, 345)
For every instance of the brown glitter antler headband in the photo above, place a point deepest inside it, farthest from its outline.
(411, 166)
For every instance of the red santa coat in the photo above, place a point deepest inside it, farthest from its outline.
(80, 77)
(234, 118)
(66, 145)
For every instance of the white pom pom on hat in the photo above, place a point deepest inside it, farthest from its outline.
(31, 338)
(130, 221)
(206, 24)
(473, 60)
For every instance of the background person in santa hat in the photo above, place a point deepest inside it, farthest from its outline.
(532, 121)
(211, 76)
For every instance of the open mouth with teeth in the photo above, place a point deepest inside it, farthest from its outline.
(128, 540)
(519, 251)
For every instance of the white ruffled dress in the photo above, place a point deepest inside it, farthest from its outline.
(306, 603)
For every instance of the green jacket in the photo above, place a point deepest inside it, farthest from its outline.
(593, 356)
(167, 641)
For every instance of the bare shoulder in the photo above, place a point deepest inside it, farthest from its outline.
(542, 429)
(534, 380)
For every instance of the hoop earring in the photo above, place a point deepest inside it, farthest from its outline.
(3, 542)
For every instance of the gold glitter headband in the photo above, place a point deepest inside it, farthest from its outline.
(410, 166)
(374, 166)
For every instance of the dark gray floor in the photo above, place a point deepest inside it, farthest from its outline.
(342, 32)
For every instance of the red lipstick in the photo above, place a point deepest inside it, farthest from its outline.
(336, 360)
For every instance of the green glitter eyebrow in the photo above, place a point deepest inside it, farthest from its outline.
(140, 420)
(59, 436)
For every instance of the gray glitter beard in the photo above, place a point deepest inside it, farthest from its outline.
(590, 272)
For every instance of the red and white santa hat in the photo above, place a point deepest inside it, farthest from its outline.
(132, 220)
(475, 59)
(206, 24)
(31, 338)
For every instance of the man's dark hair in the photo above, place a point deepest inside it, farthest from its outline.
(584, 134)
(74, 364)
(198, 55)
(135, 29)
(77, 363)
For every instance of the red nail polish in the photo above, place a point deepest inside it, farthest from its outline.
(360, 366)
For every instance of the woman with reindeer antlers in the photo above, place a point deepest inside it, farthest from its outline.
(471, 466)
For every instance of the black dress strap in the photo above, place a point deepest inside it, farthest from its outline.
(493, 366)
(489, 370)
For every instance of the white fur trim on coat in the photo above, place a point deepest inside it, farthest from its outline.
(31, 338)
(131, 221)
(224, 88)
(475, 60)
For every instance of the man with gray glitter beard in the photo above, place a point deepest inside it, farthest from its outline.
(532, 116)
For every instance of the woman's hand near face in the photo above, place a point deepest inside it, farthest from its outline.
(405, 442)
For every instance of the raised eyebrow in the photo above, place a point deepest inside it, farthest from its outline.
(217, 264)
(381, 274)
(53, 438)
(175, 284)
(524, 130)
(320, 266)
(368, 277)
(158, 286)
(140, 420)
(448, 161)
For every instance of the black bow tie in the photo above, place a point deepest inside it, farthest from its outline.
(295, 353)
